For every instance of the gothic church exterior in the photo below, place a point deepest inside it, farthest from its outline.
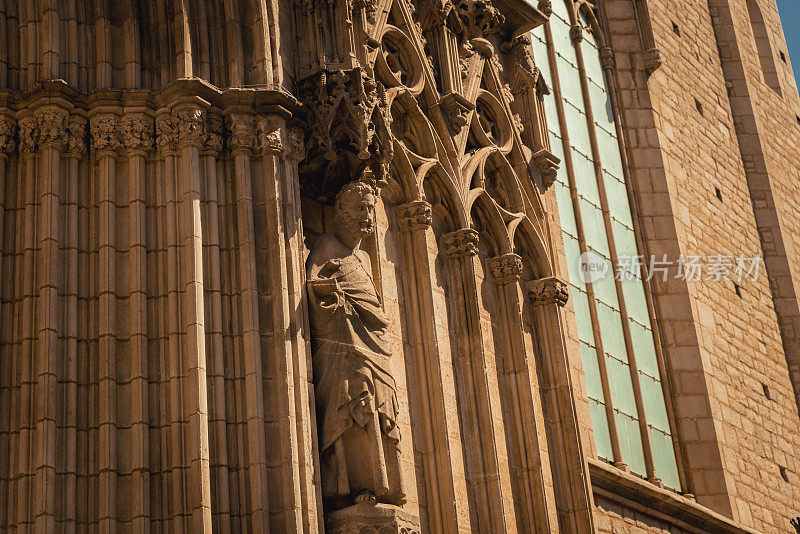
(398, 266)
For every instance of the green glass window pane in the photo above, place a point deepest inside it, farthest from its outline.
(611, 332)
(560, 13)
(625, 241)
(562, 42)
(653, 401)
(565, 212)
(585, 179)
(539, 43)
(591, 56)
(591, 369)
(570, 79)
(664, 459)
(573, 252)
(594, 228)
(551, 112)
(557, 148)
(605, 288)
(559, 25)
(602, 111)
(609, 153)
(619, 380)
(577, 129)
(644, 349)
(630, 443)
(602, 437)
(617, 196)
(582, 318)
(633, 290)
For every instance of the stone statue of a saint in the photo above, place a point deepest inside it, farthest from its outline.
(354, 389)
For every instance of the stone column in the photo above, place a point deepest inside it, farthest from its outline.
(51, 122)
(182, 133)
(242, 143)
(137, 137)
(548, 296)
(517, 384)
(192, 131)
(483, 471)
(414, 219)
(105, 143)
(283, 148)
(75, 151)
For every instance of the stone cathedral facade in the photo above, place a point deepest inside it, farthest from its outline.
(398, 266)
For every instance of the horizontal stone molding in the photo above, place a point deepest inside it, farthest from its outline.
(632, 492)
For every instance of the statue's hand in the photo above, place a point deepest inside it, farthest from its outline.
(325, 286)
(330, 295)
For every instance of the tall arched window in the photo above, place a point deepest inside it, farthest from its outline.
(623, 373)
(763, 46)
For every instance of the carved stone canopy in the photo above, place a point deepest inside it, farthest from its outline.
(350, 137)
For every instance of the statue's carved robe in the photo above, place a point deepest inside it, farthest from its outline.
(352, 368)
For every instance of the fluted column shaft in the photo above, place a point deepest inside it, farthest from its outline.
(517, 383)
(414, 219)
(548, 296)
(483, 466)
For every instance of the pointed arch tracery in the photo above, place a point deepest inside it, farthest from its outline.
(472, 165)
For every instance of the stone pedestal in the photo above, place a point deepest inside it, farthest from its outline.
(371, 518)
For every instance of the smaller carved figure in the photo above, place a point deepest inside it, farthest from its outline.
(355, 391)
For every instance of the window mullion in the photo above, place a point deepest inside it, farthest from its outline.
(608, 68)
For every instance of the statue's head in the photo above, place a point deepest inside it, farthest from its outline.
(354, 205)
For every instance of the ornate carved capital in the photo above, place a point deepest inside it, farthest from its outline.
(652, 60)
(548, 164)
(191, 126)
(505, 269)
(414, 215)
(607, 58)
(241, 130)
(76, 137)
(52, 127)
(137, 133)
(268, 136)
(548, 291)
(480, 17)
(104, 132)
(576, 34)
(46, 127)
(462, 242)
(167, 133)
(28, 135)
(212, 142)
(8, 129)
